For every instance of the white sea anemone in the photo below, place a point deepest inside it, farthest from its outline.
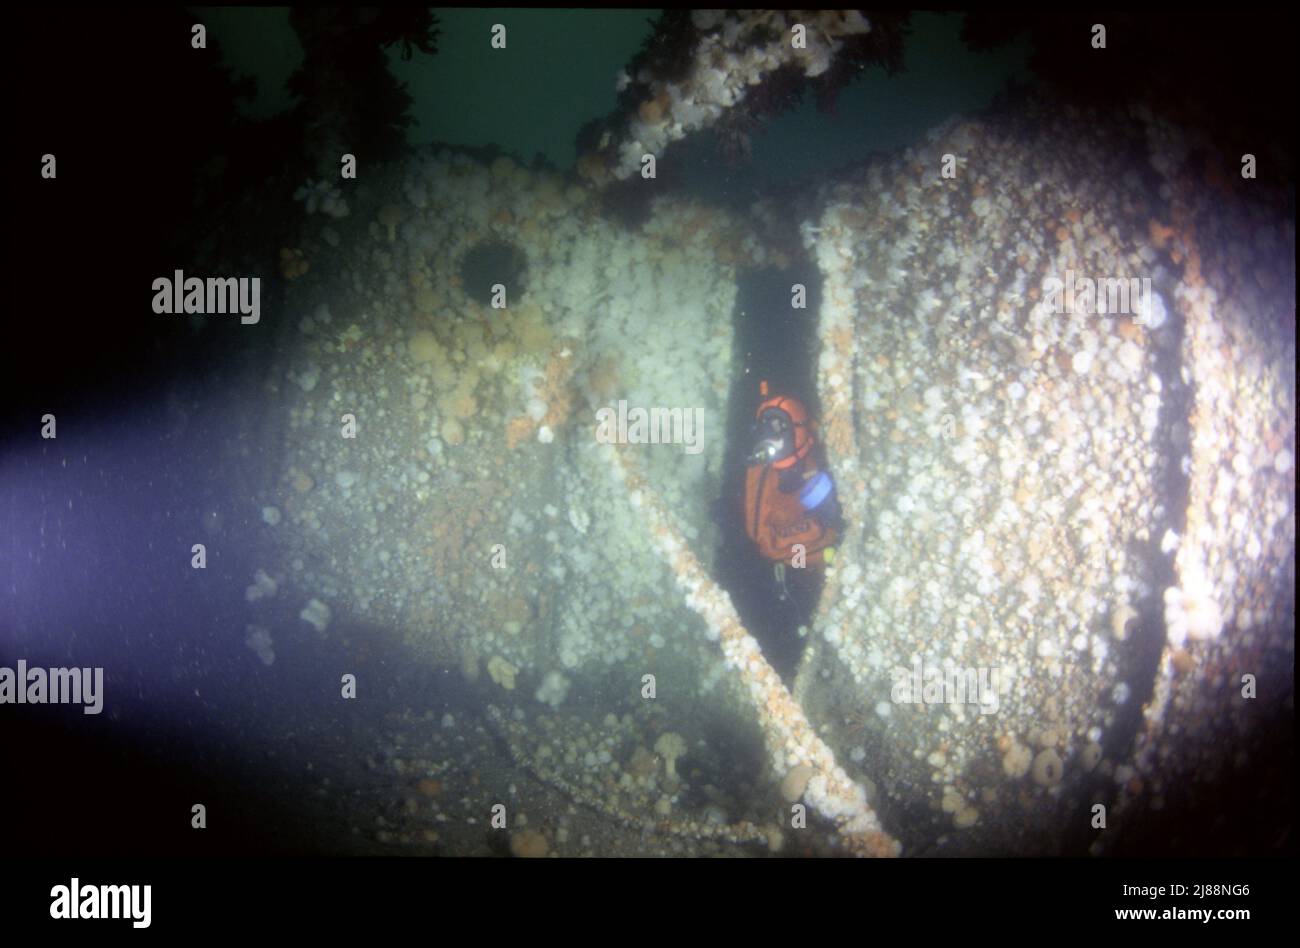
(1154, 313)
(1191, 612)
(259, 640)
(670, 746)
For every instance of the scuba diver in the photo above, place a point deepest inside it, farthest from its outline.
(791, 512)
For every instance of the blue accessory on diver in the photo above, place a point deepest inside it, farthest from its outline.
(817, 489)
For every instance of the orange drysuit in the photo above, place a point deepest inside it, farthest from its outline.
(775, 519)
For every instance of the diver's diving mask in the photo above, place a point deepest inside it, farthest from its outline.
(774, 434)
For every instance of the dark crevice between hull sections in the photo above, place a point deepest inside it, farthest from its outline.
(777, 343)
